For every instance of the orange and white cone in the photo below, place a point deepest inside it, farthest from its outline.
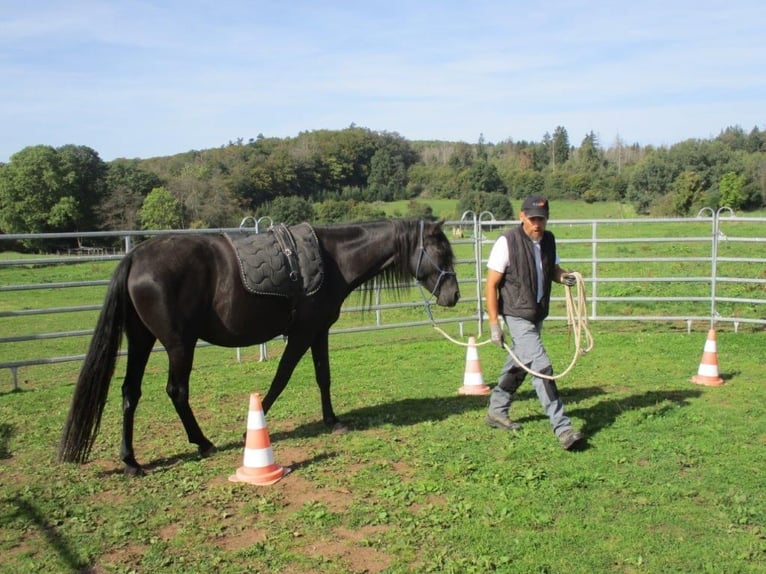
(707, 374)
(473, 380)
(258, 466)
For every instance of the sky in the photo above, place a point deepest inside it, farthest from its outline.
(140, 79)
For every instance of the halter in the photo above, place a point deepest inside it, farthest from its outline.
(442, 273)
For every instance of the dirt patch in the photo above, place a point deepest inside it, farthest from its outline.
(351, 547)
(240, 540)
(127, 557)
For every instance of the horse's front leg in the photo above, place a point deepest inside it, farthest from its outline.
(295, 349)
(181, 358)
(320, 352)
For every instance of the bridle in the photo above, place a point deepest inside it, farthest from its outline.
(442, 273)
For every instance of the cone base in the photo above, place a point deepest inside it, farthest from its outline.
(263, 477)
(707, 381)
(474, 390)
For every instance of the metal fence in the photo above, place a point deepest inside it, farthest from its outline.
(710, 268)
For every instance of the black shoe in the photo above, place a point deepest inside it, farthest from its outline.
(570, 438)
(502, 423)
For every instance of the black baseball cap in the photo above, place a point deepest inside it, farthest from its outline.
(535, 206)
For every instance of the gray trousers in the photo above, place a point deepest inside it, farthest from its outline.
(528, 346)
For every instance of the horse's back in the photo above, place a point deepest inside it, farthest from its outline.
(190, 286)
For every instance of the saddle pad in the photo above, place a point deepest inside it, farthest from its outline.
(283, 261)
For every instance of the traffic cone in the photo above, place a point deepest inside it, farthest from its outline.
(473, 380)
(258, 465)
(707, 374)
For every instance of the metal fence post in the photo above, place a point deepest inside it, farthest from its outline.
(251, 222)
(594, 270)
(477, 262)
(714, 262)
(480, 269)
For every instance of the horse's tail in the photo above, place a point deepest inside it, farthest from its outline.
(92, 387)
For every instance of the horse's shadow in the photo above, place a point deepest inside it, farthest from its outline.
(407, 412)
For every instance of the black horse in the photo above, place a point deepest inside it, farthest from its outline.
(179, 289)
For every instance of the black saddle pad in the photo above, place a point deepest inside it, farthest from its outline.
(283, 261)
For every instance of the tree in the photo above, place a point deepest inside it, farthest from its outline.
(559, 147)
(652, 178)
(497, 204)
(160, 210)
(334, 210)
(83, 176)
(732, 188)
(590, 153)
(483, 176)
(289, 210)
(44, 189)
(686, 195)
(126, 187)
(388, 168)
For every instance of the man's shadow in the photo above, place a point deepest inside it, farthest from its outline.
(604, 413)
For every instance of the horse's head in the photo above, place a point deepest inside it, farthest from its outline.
(434, 264)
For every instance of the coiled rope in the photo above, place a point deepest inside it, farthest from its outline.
(577, 321)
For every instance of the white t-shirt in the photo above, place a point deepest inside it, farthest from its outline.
(499, 259)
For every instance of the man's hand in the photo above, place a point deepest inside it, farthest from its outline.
(569, 279)
(496, 334)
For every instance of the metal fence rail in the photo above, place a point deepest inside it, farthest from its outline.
(626, 266)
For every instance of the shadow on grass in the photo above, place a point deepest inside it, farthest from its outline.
(604, 413)
(403, 412)
(407, 412)
(28, 511)
(180, 458)
(413, 411)
(6, 432)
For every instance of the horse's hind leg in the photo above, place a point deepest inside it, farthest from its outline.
(140, 342)
(181, 357)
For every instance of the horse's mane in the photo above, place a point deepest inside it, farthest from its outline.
(397, 277)
(403, 234)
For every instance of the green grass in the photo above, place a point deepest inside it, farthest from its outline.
(671, 480)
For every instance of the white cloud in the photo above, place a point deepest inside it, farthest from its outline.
(144, 78)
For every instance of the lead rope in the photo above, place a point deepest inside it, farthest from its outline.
(577, 321)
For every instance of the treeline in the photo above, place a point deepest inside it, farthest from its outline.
(329, 176)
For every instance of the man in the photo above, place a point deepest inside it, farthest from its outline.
(521, 268)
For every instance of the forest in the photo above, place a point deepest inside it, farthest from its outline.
(329, 176)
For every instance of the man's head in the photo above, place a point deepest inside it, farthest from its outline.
(534, 215)
(535, 206)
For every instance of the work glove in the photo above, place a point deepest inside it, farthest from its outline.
(569, 279)
(496, 334)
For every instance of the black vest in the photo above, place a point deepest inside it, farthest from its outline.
(518, 289)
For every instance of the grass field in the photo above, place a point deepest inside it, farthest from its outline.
(671, 479)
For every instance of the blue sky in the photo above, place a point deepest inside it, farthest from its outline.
(151, 78)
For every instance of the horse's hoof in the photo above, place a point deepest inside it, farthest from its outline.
(134, 471)
(208, 451)
(339, 428)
